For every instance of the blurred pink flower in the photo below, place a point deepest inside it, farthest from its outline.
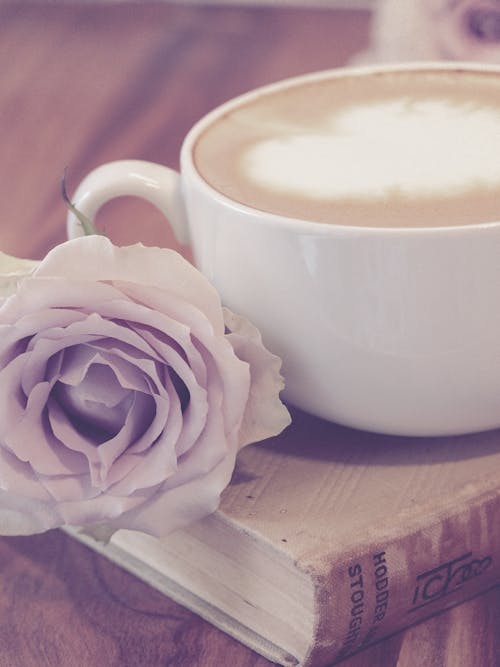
(123, 399)
(408, 30)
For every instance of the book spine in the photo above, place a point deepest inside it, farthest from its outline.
(385, 586)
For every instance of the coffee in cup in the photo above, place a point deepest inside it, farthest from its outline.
(354, 217)
(397, 151)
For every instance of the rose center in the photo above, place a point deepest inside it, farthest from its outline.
(97, 407)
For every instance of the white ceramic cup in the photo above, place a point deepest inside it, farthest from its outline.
(389, 330)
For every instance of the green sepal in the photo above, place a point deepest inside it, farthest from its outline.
(89, 229)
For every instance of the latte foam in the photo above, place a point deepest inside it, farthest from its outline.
(413, 148)
(393, 149)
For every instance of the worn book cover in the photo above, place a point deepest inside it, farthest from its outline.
(329, 539)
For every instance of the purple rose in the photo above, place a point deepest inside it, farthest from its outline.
(123, 400)
(468, 30)
(415, 30)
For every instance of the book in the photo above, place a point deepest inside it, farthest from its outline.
(329, 539)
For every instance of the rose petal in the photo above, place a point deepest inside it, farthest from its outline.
(165, 334)
(98, 399)
(95, 258)
(92, 510)
(21, 516)
(12, 272)
(265, 415)
(211, 446)
(12, 399)
(13, 337)
(193, 374)
(91, 329)
(135, 373)
(45, 295)
(16, 266)
(179, 506)
(145, 421)
(159, 302)
(157, 463)
(25, 436)
(66, 433)
(17, 478)
(68, 487)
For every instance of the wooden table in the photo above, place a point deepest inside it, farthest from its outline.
(82, 84)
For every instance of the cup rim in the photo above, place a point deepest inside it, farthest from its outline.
(188, 166)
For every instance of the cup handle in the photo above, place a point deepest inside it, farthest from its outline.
(154, 182)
